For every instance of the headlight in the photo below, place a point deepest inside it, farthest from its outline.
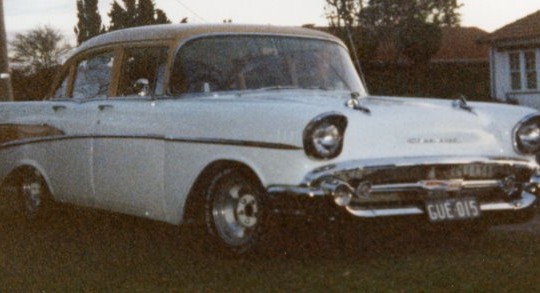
(323, 137)
(527, 135)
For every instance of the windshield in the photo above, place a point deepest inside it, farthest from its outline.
(234, 63)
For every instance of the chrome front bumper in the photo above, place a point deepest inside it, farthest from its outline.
(401, 186)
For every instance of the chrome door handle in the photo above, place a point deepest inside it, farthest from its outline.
(105, 107)
(57, 108)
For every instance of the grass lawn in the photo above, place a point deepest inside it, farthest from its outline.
(82, 250)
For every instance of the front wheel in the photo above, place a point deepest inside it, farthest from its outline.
(234, 211)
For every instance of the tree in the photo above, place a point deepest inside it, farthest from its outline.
(343, 13)
(161, 17)
(134, 13)
(406, 22)
(419, 40)
(118, 17)
(394, 20)
(36, 56)
(89, 24)
(38, 49)
(394, 13)
(146, 11)
(342, 16)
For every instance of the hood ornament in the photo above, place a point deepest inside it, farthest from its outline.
(354, 103)
(461, 103)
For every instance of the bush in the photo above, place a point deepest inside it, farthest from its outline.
(441, 80)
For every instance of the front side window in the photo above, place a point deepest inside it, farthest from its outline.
(143, 63)
(233, 63)
(93, 77)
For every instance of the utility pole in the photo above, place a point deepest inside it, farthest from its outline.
(6, 91)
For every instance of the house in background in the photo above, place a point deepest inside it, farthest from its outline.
(515, 61)
(459, 68)
(458, 46)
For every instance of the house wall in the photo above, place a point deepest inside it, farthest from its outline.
(501, 84)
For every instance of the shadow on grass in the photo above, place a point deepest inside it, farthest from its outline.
(81, 249)
(77, 230)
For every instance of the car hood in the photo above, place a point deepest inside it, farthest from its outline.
(408, 127)
(396, 127)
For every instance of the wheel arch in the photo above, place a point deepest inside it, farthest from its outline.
(22, 168)
(195, 197)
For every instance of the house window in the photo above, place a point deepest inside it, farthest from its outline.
(523, 72)
(515, 70)
(530, 69)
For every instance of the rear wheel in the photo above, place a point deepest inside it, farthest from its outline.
(32, 194)
(234, 211)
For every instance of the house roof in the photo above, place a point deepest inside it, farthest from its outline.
(527, 28)
(458, 44)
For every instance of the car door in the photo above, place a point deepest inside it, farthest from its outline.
(128, 162)
(72, 109)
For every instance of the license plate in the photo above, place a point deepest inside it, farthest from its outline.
(452, 209)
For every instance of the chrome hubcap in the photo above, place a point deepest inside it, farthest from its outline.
(246, 211)
(236, 215)
(32, 194)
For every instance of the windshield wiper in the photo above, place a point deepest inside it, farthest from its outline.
(278, 87)
(320, 87)
(461, 103)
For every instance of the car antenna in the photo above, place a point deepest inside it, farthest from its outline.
(355, 55)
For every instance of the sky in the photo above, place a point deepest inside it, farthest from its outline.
(22, 15)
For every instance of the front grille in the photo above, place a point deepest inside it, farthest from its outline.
(410, 174)
(402, 185)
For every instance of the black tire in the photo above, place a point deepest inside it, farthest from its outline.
(234, 212)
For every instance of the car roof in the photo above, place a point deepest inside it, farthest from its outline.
(180, 32)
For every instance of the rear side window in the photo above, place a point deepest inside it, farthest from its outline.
(147, 63)
(93, 77)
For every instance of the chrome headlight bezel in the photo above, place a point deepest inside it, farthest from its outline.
(528, 126)
(324, 136)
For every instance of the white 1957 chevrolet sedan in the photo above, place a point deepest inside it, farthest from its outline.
(229, 124)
